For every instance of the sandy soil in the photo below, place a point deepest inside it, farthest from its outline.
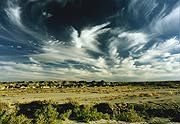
(119, 94)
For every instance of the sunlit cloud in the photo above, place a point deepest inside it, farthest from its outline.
(14, 13)
(88, 37)
(138, 41)
(168, 24)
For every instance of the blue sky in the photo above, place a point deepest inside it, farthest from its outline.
(115, 40)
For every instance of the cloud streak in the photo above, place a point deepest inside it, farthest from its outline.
(88, 37)
(135, 41)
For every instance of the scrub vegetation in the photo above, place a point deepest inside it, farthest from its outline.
(43, 112)
(108, 105)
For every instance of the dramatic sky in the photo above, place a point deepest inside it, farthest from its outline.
(113, 40)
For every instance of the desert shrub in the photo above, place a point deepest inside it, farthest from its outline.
(150, 110)
(142, 109)
(29, 109)
(3, 117)
(86, 114)
(164, 110)
(176, 116)
(104, 108)
(66, 115)
(43, 112)
(3, 106)
(13, 119)
(73, 102)
(63, 108)
(157, 120)
(129, 116)
(47, 115)
(159, 110)
(21, 119)
(3, 112)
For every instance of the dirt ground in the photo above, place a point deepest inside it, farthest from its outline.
(127, 94)
(92, 95)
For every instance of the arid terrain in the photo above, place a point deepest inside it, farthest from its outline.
(164, 96)
(127, 94)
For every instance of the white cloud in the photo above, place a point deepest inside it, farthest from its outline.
(161, 19)
(114, 55)
(58, 53)
(101, 63)
(170, 45)
(11, 71)
(161, 61)
(135, 39)
(124, 41)
(88, 37)
(167, 24)
(161, 50)
(33, 60)
(13, 12)
(142, 9)
(15, 24)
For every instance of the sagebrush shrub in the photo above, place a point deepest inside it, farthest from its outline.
(48, 115)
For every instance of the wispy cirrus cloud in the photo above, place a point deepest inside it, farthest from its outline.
(13, 12)
(123, 43)
(167, 24)
(161, 51)
(135, 40)
(88, 37)
(56, 53)
(138, 42)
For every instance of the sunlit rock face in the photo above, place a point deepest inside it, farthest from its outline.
(89, 39)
